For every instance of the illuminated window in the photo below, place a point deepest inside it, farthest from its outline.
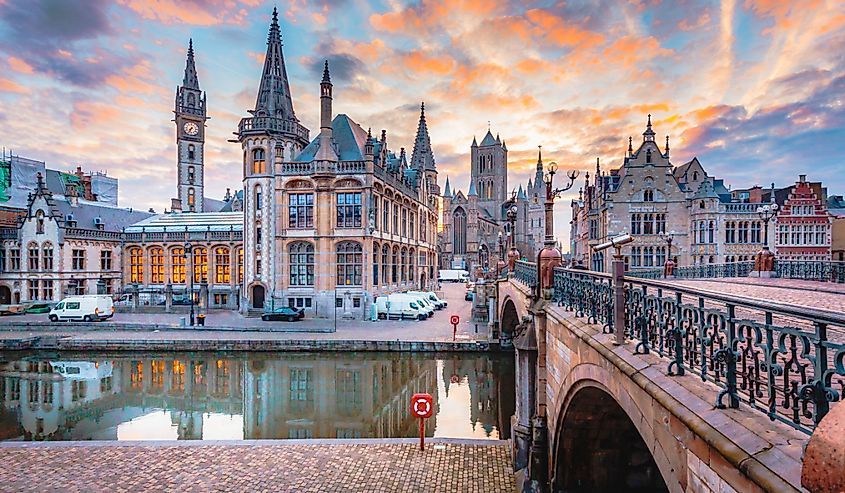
(177, 262)
(200, 264)
(222, 266)
(240, 266)
(259, 163)
(156, 265)
(349, 263)
(136, 265)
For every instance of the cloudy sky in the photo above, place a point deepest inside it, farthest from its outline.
(754, 88)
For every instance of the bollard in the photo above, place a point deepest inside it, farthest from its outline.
(618, 269)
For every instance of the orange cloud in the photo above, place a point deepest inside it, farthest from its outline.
(179, 12)
(87, 113)
(135, 79)
(19, 65)
(429, 13)
(557, 31)
(422, 62)
(258, 57)
(7, 85)
(631, 50)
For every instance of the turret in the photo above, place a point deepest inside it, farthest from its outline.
(326, 151)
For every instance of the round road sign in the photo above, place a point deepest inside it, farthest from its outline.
(422, 405)
(454, 320)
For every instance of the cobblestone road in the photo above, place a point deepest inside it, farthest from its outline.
(825, 296)
(302, 468)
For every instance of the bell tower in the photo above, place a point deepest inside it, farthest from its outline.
(190, 111)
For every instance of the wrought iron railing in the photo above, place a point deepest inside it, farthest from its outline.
(784, 360)
(525, 272)
(814, 270)
(701, 271)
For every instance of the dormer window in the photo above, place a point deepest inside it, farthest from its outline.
(648, 156)
(695, 176)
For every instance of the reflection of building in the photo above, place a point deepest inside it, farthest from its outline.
(334, 221)
(490, 387)
(320, 397)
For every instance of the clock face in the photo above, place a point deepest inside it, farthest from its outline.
(191, 128)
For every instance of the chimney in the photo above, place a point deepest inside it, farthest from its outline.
(802, 178)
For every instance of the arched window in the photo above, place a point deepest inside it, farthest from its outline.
(411, 276)
(222, 266)
(259, 203)
(376, 251)
(648, 156)
(349, 263)
(711, 233)
(240, 265)
(191, 152)
(156, 265)
(301, 264)
(177, 265)
(695, 176)
(39, 222)
(385, 263)
(403, 263)
(730, 232)
(259, 163)
(136, 265)
(394, 273)
(47, 256)
(701, 229)
(191, 176)
(200, 267)
(459, 232)
(191, 199)
(34, 256)
(192, 100)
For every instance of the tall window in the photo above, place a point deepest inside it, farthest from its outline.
(33, 289)
(730, 232)
(394, 272)
(459, 232)
(711, 232)
(259, 163)
(648, 196)
(349, 210)
(14, 259)
(349, 263)
(301, 264)
(348, 392)
(222, 266)
(301, 210)
(636, 256)
(661, 256)
(743, 232)
(240, 266)
(156, 265)
(177, 265)
(191, 153)
(259, 203)
(200, 264)
(105, 260)
(376, 251)
(648, 155)
(404, 262)
(411, 275)
(701, 231)
(46, 289)
(661, 223)
(395, 229)
(78, 259)
(648, 224)
(755, 232)
(33, 254)
(385, 216)
(404, 222)
(136, 265)
(376, 202)
(191, 175)
(636, 223)
(301, 389)
(385, 263)
(192, 200)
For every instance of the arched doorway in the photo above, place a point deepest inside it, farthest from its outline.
(599, 450)
(258, 296)
(507, 324)
(5, 295)
(422, 286)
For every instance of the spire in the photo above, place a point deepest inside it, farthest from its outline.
(326, 77)
(190, 80)
(472, 191)
(326, 151)
(630, 146)
(474, 143)
(648, 135)
(447, 191)
(422, 157)
(598, 167)
(274, 92)
(667, 146)
(540, 158)
(521, 193)
(504, 145)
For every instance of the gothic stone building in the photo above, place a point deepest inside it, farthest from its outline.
(472, 223)
(333, 222)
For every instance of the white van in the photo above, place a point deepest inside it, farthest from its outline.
(431, 298)
(421, 304)
(402, 307)
(87, 308)
(382, 302)
(452, 275)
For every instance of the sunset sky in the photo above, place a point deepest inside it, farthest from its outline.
(754, 88)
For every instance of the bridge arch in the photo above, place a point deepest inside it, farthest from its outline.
(509, 319)
(599, 440)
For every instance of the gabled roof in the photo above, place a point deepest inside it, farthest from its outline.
(488, 140)
(348, 138)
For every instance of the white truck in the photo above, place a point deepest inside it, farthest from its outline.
(452, 275)
(87, 308)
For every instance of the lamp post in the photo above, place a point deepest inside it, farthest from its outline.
(500, 264)
(669, 264)
(550, 256)
(764, 264)
(513, 253)
(767, 213)
(188, 249)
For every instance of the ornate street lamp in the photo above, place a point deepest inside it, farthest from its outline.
(550, 256)
(513, 253)
(764, 264)
(767, 213)
(669, 264)
(501, 263)
(188, 249)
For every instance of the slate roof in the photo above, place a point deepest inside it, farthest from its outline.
(488, 140)
(212, 205)
(190, 221)
(113, 218)
(348, 138)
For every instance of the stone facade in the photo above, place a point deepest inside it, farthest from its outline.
(804, 224)
(334, 222)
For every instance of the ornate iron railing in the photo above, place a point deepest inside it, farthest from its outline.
(525, 272)
(702, 271)
(814, 270)
(784, 360)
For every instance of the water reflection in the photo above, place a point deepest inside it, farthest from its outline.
(202, 396)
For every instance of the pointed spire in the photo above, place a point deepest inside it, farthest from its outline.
(190, 80)
(630, 146)
(504, 145)
(667, 146)
(474, 143)
(648, 135)
(326, 77)
(472, 191)
(447, 190)
(598, 167)
(540, 158)
(530, 186)
(274, 91)
(521, 193)
(422, 157)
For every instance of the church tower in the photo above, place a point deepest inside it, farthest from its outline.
(190, 111)
(422, 159)
(489, 170)
(270, 136)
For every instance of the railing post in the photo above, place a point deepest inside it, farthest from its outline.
(678, 334)
(618, 268)
(727, 355)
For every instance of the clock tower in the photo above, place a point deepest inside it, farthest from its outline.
(190, 138)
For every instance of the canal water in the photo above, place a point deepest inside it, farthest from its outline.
(236, 396)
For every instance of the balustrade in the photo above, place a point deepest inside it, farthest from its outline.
(526, 273)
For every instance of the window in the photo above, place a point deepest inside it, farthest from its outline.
(648, 224)
(385, 216)
(635, 224)
(191, 157)
(177, 265)
(14, 259)
(105, 259)
(661, 223)
(191, 175)
(47, 289)
(259, 203)
(648, 156)
(338, 302)
(136, 265)
(39, 222)
(349, 210)
(348, 392)
(191, 199)
(730, 232)
(385, 266)
(695, 176)
(648, 256)
(395, 229)
(404, 262)
(636, 256)
(258, 238)
(711, 232)
(78, 259)
(301, 210)
(301, 389)
(33, 289)
(34, 256)
(200, 264)
(240, 266)
(376, 202)
(301, 264)
(259, 164)
(222, 266)
(375, 263)
(356, 302)
(755, 232)
(349, 264)
(404, 222)
(300, 302)
(743, 232)
(701, 231)
(661, 256)
(221, 299)
(394, 274)
(459, 232)
(648, 196)
(156, 265)
(821, 234)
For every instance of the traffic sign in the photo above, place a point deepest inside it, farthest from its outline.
(454, 320)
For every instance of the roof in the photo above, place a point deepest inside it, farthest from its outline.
(348, 138)
(212, 205)
(112, 218)
(190, 221)
(472, 191)
(488, 140)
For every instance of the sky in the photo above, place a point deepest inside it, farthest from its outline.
(754, 88)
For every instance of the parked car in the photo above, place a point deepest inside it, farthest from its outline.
(39, 308)
(422, 304)
(286, 313)
(469, 296)
(88, 308)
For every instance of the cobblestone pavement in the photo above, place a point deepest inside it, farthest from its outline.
(436, 328)
(825, 296)
(302, 468)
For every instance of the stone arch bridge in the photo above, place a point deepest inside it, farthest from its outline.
(706, 393)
